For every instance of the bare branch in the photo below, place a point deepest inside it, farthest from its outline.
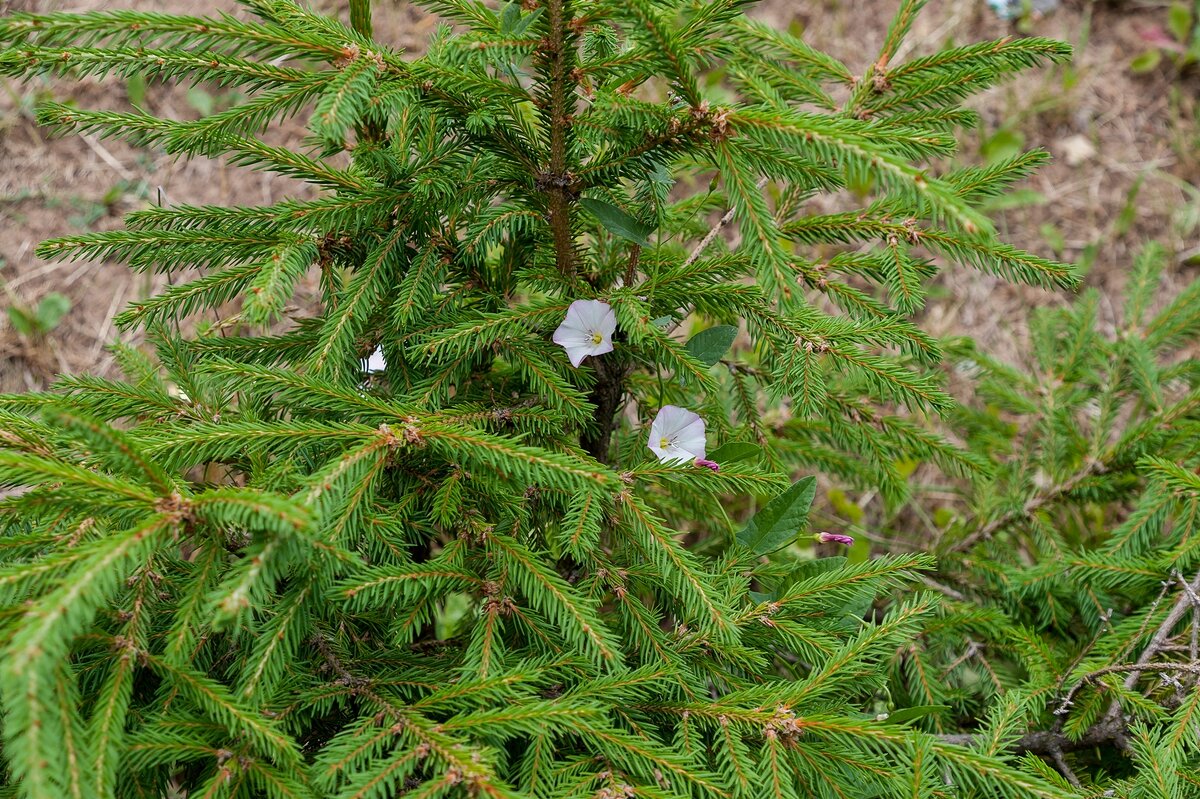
(1163, 634)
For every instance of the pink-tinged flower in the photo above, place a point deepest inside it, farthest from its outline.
(833, 538)
(1158, 37)
(587, 330)
(706, 464)
(677, 435)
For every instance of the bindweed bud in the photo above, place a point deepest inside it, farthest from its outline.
(833, 538)
(707, 464)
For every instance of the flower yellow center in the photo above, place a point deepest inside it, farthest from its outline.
(664, 442)
(597, 338)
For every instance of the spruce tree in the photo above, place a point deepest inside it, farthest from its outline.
(509, 559)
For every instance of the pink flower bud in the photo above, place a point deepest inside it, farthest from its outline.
(833, 538)
(707, 464)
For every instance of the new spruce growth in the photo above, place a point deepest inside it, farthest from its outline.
(505, 561)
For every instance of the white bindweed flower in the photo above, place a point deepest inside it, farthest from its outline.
(587, 330)
(375, 362)
(677, 435)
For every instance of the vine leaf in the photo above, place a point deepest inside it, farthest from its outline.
(776, 525)
(618, 222)
(734, 451)
(709, 346)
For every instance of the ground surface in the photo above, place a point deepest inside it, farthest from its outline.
(1124, 147)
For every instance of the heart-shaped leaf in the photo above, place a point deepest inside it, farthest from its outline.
(709, 346)
(777, 523)
(51, 310)
(509, 18)
(1179, 21)
(1146, 61)
(618, 222)
(734, 451)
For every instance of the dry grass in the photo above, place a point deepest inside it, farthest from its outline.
(1109, 130)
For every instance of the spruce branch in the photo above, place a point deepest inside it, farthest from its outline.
(1030, 507)
(360, 17)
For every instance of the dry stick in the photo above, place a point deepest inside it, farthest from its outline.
(717, 228)
(1134, 670)
(107, 157)
(1086, 650)
(1166, 586)
(1046, 742)
(1107, 730)
(1060, 763)
(1163, 633)
(972, 650)
(699, 249)
(1114, 718)
(1111, 728)
(945, 589)
(1194, 644)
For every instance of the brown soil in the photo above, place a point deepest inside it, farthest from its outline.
(1110, 130)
